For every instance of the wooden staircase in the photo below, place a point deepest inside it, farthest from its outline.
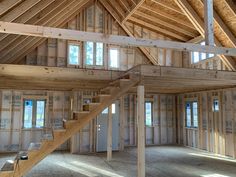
(38, 151)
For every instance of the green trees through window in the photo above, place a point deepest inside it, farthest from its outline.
(94, 53)
(148, 113)
(74, 54)
(113, 57)
(191, 113)
(34, 113)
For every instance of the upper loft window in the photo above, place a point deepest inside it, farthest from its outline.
(114, 57)
(94, 53)
(74, 54)
(198, 56)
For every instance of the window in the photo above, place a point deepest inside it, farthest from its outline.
(94, 53)
(74, 54)
(195, 114)
(191, 111)
(188, 115)
(148, 113)
(197, 56)
(114, 57)
(113, 109)
(216, 107)
(34, 113)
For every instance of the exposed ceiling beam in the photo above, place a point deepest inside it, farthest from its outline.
(6, 5)
(107, 6)
(59, 33)
(199, 24)
(134, 9)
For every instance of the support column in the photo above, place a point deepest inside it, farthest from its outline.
(109, 134)
(208, 19)
(141, 133)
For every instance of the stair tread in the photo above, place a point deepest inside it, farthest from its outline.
(104, 95)
(118, 80)
(8, 166)
(82, 112)
(34, 146)
(61, 129)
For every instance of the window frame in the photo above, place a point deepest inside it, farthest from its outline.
(94, 55)
(76, 43)
(200, 54)
(113, 111)
(34, 111)
(192, 120)
(213, 104)
(109, 55)
(151, 113)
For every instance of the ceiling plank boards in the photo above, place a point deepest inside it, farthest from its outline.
(7, 5)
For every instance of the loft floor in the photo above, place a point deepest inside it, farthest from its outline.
(164, 161)
(157, 79)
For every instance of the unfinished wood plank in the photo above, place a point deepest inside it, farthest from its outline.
(141, 132)
(48, 32)
(208, 20)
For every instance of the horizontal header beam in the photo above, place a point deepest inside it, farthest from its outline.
(48, 32)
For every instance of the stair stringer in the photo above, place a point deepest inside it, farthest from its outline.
(71, 128)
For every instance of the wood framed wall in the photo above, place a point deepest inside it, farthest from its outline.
(216, 130)
(95, 18)
(13, 138)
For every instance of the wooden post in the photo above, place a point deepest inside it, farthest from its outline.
(141, 133)
(109, 134)
(208, 19)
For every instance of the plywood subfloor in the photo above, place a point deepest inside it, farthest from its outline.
(164, 161)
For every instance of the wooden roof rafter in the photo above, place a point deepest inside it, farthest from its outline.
(24, 18)
(199, 25)
(109, 8)
(154, 20)
(7, 5)
(58, 18)
(19, 10)
(223, 27)
(167, 16)
(168, 6)
(134, 9)
(231, 5)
